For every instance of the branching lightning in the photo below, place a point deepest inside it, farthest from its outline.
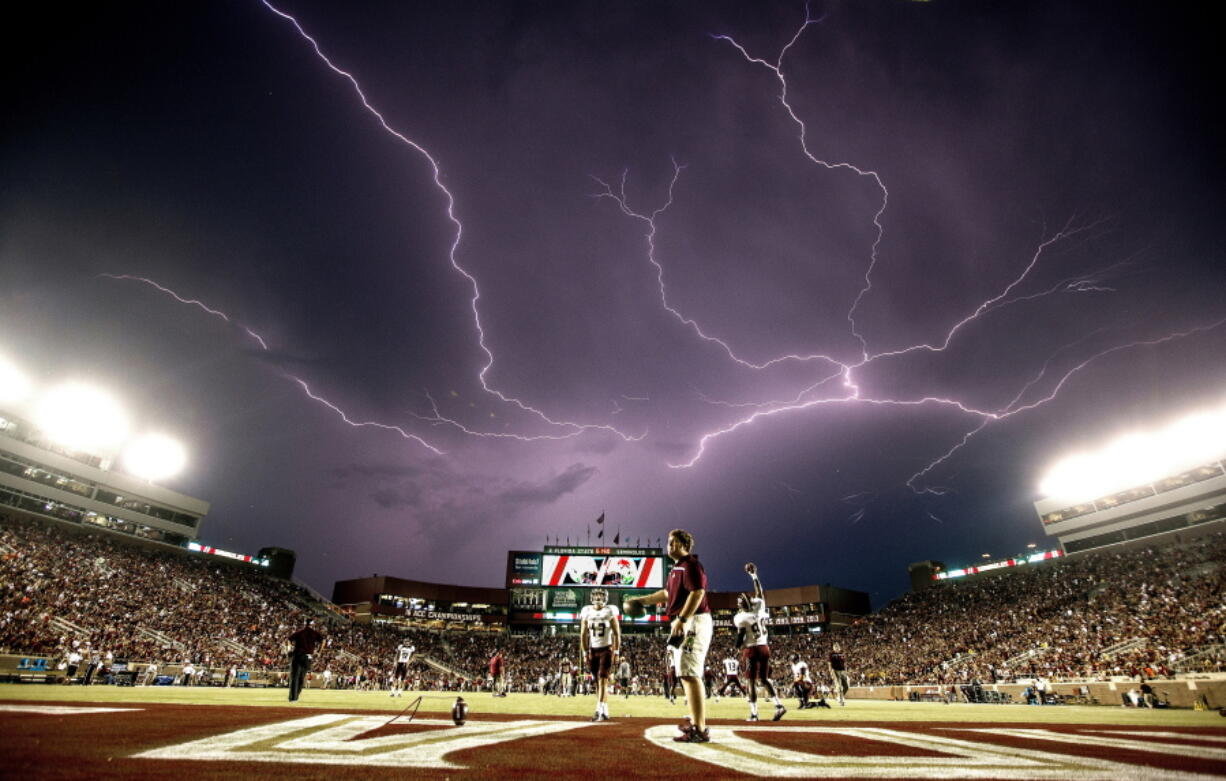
(619, 197)
(851, 390)
(436, 170)
(306, 389)
(777, 69)
(835, 381)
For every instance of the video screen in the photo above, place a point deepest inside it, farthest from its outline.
(614, 571)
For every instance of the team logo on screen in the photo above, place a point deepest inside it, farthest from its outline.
(615, 571)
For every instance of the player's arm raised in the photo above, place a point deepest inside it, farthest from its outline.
(752, 570)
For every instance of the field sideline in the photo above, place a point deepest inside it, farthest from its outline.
(436, 702)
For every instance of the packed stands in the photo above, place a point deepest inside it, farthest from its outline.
(1145, 611)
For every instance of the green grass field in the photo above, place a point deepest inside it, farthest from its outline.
(647, 707)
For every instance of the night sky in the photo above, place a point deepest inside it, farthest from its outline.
(207, 148)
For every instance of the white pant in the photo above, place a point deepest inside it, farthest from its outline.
(692, 661)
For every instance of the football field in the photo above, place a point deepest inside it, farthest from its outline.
(193, 733)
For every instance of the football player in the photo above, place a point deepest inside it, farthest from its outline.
(404, 655)
(752, 639)
(600, 640)
(566, 683)
(802, 681)
(732, 677)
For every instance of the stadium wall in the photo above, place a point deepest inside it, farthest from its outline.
(1182, 692)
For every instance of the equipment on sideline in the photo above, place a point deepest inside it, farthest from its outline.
(459, 711)
(415, 704)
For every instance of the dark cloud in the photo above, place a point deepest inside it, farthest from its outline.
(550, 490)
(406, 495)
(373, 470)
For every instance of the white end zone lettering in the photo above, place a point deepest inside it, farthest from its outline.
(1111, 739)
(330, 739)
(734, 748)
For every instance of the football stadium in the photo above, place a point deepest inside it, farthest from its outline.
(130, 649)
(581, 390)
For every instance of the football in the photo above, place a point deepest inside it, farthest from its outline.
(459, 711)
(633, 609)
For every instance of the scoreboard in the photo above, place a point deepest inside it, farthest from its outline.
(553, 585)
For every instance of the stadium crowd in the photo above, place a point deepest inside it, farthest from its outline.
(1136, 612)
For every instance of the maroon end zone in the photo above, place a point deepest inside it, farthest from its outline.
(187, 743)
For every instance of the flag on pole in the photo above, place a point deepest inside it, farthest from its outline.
(600, 534)
(600, 520)
(617, 538)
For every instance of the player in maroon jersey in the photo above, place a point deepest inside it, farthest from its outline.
(685, 599)
(498, 672)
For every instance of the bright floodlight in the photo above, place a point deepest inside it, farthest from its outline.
(14, 385)
(1195, 440)
(154, 457)
(1137, 459)
(81, 417)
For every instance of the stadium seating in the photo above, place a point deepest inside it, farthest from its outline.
(1142, 612)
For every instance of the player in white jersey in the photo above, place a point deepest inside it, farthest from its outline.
(732, 677)
(802, 681)
(404, 655)
(600, 640)
(755, 647)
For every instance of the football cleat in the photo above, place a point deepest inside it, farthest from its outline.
(753, 717)
(693, 735)
(779, 711)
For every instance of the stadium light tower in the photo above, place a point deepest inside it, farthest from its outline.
(154, 457)
(81, 417)
(15, 386)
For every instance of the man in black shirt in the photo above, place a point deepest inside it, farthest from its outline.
(304, 642)
(838, 672)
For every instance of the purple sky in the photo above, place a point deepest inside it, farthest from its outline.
(208, 148)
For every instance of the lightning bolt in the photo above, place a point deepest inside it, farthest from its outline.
(436, 171)
(852, 392)
(777, 68)
(191, 302)
(819, 392)
(301, 383)
(618, 196)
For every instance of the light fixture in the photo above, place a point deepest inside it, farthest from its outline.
(154, 457)
(81, 417)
